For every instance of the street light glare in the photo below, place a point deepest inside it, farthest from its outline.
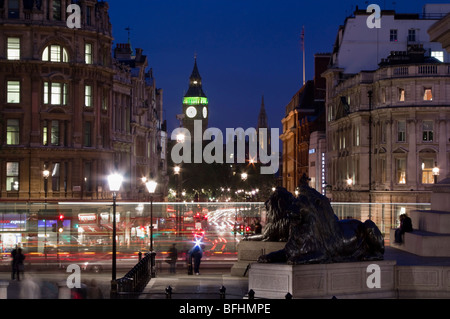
(151, 186)
(46, 173)
(115, 181)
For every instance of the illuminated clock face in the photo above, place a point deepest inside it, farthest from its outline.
(205, 112)
(191, 111)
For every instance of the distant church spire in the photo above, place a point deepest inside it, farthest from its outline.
(262, 117)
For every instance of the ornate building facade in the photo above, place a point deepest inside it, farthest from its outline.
(388, 129)
(71, 108)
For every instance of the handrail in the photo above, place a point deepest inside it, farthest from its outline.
(135, 280)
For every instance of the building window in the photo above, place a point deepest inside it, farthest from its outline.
(427, 131)
(88, 53)
(105, 100)
(13, 92)
(88, 15)
(393, 35)
(55, 53)
(45, 134)
(383, 95)
(401, 131)
(87, 134)
(57, 10)
(401, 95)
(401, 170)
(56, 177)
(357, 136)
(88, 95)
(439, 55)
(427, 95)
(411, 35)
(55, 93)
(88, 177)
(427, 171)
(13, 49)
(54, 133)
(13, 9)
(12, 132)
(12, 176)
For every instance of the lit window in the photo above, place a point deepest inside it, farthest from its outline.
(401, 170)
(401, 95)
(427, 131)
(393, 35)
(55, 53)
(401, 131)
(13, 50)
(88, 53)
(438, 55)
(55, 93)
(12, 176)
(88, 95)
(12, 132)
(427, 95)
(55, 177)
(45, 134)
(427, 171)
(13, 92)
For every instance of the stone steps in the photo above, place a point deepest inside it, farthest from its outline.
(431, 234)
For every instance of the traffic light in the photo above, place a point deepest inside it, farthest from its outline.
(60, 221)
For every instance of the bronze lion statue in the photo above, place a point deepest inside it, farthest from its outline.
(313, 233)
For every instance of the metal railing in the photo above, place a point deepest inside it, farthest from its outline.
(136, 279)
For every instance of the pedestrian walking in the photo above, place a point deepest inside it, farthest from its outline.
(13, 263)
(197, 254)
(172, 259)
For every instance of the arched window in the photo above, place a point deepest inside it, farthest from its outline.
(55, 53)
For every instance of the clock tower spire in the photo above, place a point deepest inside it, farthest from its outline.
(195, 102)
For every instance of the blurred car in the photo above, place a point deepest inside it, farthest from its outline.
(104, 262)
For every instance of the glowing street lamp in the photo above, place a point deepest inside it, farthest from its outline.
(151, 187)
(349, 182)
(114, 181)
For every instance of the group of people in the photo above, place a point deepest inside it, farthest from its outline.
(194, 258)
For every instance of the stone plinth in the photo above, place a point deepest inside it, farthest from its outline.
(249, 251)
(342, 280)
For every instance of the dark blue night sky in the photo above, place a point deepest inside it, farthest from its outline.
(245, 49)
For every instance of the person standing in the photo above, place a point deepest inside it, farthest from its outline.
(18, 259)
(173, 256)
(13, 263)
(197, 255)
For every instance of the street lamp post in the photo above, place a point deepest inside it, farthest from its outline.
(115, 181)
(151, 187)
(45, 174)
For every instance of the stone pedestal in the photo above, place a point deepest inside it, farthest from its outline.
(340, 280)
(431, 228)
(4, 289)
(249, 251)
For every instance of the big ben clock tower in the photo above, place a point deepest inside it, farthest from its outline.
(195, 104)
